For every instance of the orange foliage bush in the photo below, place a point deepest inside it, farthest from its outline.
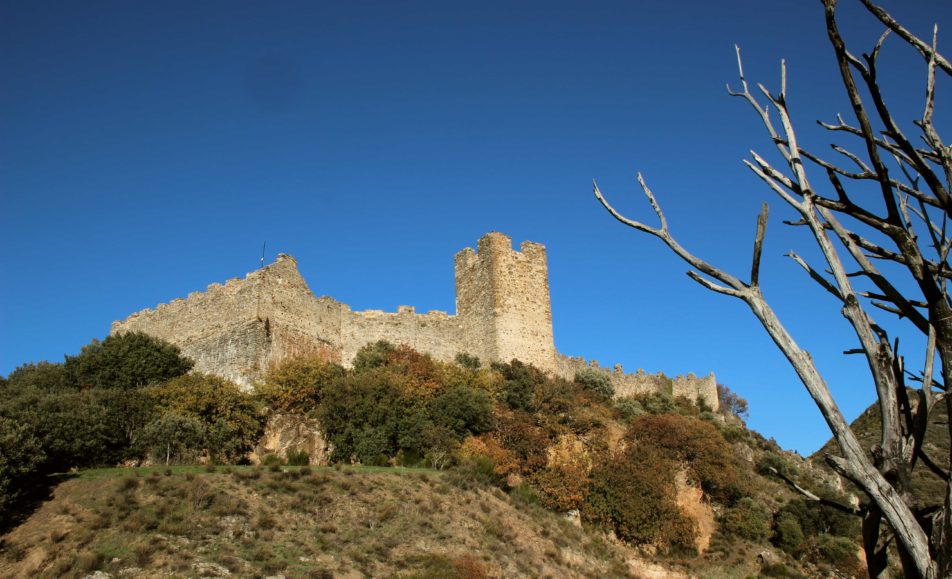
(695, 443)
(634, 495)
(422, 372)
(486, 446)
(518, 432)
(297, 384)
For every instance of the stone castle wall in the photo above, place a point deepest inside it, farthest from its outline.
(503, 312)
(692, 387)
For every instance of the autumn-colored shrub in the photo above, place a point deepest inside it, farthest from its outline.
(487, 447)
(232, 421)
(562, 487)
(421, 370)
(297, 384)
(698, 445)
(634, 495)
(517, 432)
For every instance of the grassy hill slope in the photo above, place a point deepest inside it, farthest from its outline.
(299, 523)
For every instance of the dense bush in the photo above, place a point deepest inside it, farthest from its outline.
(812, 520)
(230, 417)
(372, 356)
(297, 384)
(788, 535)
(634, 496)
(468, 361)
(748, 519)
(463, 410)
(696, 444)
(598, 381)
(47, 377)
(20, 458)
(173, 438)
(520, 382)
(369, 418)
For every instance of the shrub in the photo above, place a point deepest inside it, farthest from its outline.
(629, 408)
(468, 361)
(372, 356)
(173, 439)
(520, 382)
(20, 458)
(695, 443)
(562, 487)
(788, 535)
(298, 458)
(595, 380)
(44, 376)
(231, 419)
(747, 519)
(297, 384)
(367, 416)
(518, 433)
(634, 496)
(463, 410)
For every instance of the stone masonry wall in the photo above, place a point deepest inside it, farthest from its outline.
(503, 312)
(627, 384)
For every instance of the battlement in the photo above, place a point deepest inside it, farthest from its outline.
(238, 329)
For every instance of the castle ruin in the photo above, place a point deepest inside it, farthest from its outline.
(503, 312)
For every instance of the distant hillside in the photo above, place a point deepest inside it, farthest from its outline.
(927, 488)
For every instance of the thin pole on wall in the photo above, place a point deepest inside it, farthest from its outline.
(263, 245)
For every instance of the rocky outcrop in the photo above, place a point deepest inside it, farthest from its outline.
(292, 432)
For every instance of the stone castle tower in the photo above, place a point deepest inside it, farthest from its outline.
(503, 312)
(502, 300)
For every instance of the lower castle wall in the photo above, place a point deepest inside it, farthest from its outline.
(628, 384)
(436, 333)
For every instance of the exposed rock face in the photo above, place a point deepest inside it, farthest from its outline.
(292, 432)
(503, 312)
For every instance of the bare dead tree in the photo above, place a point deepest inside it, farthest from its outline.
(907, 225)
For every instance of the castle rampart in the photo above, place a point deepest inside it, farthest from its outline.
(503, 312)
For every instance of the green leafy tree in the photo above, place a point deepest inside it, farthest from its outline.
(173, 438)
(44, 376)
(124, 361)
(463, 410)
(21, 456)
(373, 355)
(369, 418)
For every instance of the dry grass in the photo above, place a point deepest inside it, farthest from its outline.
(299, 523)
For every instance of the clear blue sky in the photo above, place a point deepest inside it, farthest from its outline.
(148, 149)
